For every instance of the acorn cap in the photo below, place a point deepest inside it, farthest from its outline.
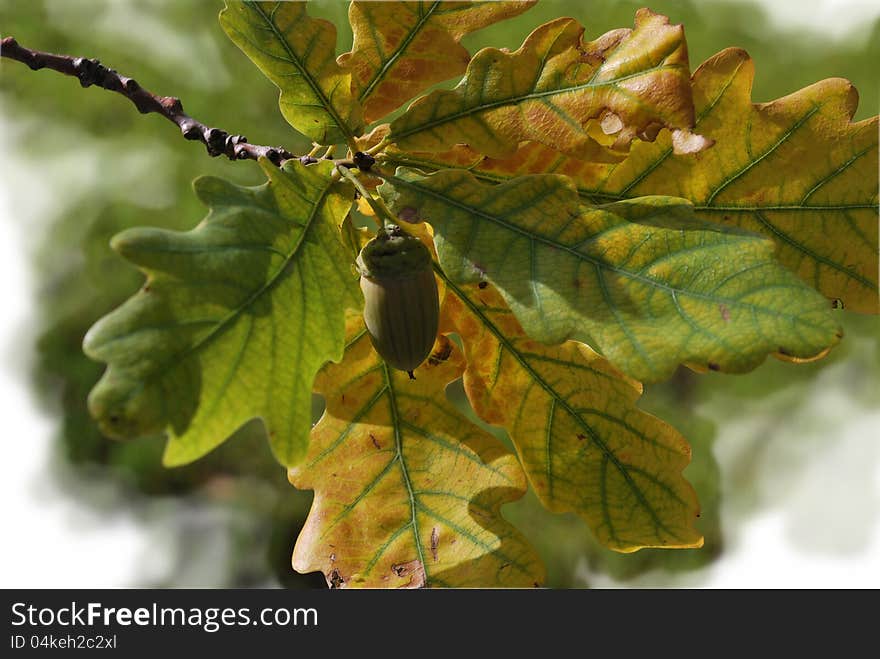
(393, 253)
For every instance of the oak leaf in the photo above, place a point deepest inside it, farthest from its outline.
(407, 490)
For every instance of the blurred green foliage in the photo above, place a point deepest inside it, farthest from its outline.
(104, 168)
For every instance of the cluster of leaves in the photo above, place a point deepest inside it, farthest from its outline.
(83, 167)
(569, 275)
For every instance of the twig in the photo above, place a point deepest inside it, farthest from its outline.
(217, 141)
(92, 72)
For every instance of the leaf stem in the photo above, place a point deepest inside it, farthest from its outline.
(378, 147)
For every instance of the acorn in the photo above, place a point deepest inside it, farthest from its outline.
(401, 304)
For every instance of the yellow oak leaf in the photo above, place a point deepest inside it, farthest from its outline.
(585, 446)
(402, 48)
(407, 491)
(634, 82)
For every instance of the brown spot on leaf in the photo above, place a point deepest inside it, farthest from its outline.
(435, 542)
(441, 354)
(713, 366)
(409, 214)
(649, 133)
(335, 580)
(415, 570)
(375, 441)
(333, 558)
(596, 55)
(482, 284)
(581, 436)
(837, 303)
(725, 312)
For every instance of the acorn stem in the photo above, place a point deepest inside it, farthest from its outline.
(384, 217)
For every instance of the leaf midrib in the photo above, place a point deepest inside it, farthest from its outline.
(648, 281)
(316, 89)
(398, 447)
(380, 74)
(415, 503)
(557, 399)
(223, 324)
(516, 100)
(589, 193)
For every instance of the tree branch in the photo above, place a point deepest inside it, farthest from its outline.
(92, 72)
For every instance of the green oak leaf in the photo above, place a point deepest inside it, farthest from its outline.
(643, 280)
(797, 170)
(298, 54)
(235, 318)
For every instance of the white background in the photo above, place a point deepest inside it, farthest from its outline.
(49, 541)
